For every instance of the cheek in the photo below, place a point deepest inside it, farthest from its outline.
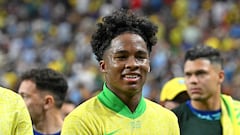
(146, 67)
(31, 104)
(34, 102)
(208, 81)
(28, 103)
(35, 108)
(113, 68)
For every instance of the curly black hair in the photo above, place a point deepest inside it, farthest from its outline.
(206, 52)
(48, 80)
(118, 22)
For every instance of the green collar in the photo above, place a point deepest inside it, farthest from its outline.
(110, 100)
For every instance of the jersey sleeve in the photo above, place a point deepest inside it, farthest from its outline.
(175, 126)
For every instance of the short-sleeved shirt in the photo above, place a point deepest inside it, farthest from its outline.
(106, 114)
(14, 116)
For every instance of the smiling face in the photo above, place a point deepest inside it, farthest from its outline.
(125, 64)
(203, 79)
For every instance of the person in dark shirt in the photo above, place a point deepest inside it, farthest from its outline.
(208, 112)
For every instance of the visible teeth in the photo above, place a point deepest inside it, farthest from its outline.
(131, 76)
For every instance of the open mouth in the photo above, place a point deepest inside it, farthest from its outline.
(132, 77)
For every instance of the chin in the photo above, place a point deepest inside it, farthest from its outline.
(197, 98)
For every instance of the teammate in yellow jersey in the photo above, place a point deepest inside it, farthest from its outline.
(122, 45)
(14, 116)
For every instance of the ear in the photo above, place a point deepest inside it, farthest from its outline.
(102, 66)
(221, 75)
(49, 101)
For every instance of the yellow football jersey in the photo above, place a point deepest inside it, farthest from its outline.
(14, 116)
(106, 114)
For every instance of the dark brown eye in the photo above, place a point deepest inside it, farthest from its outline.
(123, 57)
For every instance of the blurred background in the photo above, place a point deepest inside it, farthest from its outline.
(57, 33)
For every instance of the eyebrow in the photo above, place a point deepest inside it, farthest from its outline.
(200, 71)
(125, 51)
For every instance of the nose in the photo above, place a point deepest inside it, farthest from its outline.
(132, 62)
(193, 79)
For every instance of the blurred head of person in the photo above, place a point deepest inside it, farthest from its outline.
(67, 107)
(43, 91)
(203, 73)
(173, 93)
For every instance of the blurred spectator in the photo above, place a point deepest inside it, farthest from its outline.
(57, 34)
(67, 107)
(173, 93)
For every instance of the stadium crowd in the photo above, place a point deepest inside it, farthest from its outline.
(56, 34)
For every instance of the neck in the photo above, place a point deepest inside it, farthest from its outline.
(208, 105)
(50, 124)
(132, 102)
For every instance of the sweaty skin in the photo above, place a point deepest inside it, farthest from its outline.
(125, 66)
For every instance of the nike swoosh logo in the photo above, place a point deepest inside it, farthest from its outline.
(111, 133)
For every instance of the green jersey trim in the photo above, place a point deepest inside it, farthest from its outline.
(111, 101)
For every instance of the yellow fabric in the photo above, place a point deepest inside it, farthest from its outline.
(230, 118)
(14, 116)
(93, 118)
(172, 88)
